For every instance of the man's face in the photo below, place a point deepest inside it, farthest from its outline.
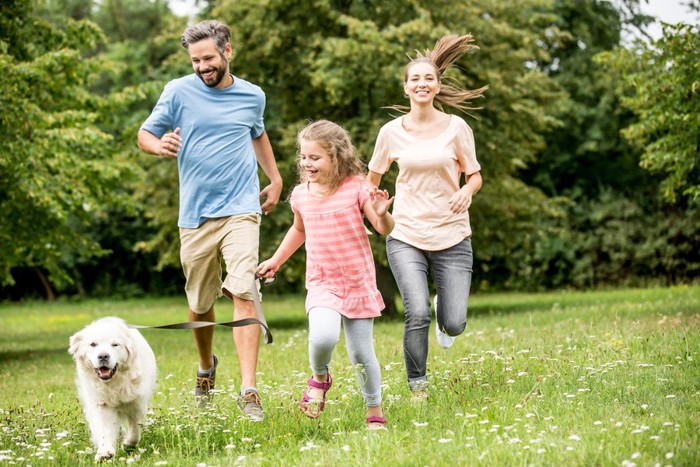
(209, 64)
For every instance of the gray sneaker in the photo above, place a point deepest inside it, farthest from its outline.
(251, 405)
(205, 384)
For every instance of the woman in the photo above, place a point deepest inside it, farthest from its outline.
(432, 234)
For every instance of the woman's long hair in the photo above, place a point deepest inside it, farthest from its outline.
(447, 51)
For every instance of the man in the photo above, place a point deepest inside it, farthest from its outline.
(212, 122)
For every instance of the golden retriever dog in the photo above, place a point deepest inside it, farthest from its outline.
(116, 379)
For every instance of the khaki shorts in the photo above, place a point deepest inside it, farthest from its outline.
(233, 240)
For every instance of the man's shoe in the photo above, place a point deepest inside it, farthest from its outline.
(445, 341)
(251, 405)
(205, 384)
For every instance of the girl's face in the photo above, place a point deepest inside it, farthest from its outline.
(315, 161)
(422, 83)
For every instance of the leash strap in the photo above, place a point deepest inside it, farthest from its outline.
(259, 312)
(267, 335)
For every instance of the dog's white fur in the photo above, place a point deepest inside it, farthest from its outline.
(116, 379)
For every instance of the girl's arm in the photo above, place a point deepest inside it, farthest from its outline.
(462, 200)
(296, 235)
(376, 210)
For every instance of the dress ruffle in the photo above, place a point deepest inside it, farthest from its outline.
(353, 307)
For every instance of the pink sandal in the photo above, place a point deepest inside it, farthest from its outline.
(376, 423)
(313, 407)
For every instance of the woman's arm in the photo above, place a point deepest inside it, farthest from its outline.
(462, 200)
(374, 178)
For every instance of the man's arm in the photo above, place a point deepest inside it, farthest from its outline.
(266, 159)
(168, 145)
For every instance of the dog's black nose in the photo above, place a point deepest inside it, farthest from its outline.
(103, 357)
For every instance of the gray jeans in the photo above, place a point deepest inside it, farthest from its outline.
(324, 334)
(451, 271)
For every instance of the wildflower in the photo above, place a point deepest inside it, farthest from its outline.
(575, 438)
(420, 424)
(669, 455)
(444, 440)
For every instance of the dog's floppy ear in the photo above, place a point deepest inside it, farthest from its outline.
(129, 345)
(75, 341)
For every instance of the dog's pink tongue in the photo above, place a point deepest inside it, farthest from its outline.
(104, 372)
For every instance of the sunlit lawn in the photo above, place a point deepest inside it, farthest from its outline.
(598, 378)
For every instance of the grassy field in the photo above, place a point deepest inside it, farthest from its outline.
(595, 378)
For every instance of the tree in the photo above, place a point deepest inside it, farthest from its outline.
(661, 85)
(58, 172)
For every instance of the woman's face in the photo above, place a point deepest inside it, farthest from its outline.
(422, 83)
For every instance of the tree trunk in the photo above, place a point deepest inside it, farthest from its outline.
(50, 296)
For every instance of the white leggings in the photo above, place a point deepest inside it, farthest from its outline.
(324, 334)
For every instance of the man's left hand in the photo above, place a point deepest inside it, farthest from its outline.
(271, 194)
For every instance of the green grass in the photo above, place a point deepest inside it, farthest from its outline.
(594, 378)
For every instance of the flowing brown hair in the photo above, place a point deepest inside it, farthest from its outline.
(336, 141)
(447, 51)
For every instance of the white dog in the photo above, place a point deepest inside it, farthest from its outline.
(116, 378)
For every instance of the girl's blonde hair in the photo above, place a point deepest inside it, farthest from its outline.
(336, 141)
(445, 54)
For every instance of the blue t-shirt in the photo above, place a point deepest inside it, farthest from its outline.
(217, 165)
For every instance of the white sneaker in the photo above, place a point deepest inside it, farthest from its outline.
(445, 341)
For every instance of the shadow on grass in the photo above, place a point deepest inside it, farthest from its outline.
(296, 322)
(25, 355)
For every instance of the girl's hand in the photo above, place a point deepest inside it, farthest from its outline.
(267, 268)
(380, 201)
(460, 201)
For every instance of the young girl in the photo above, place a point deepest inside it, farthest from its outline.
(328, 206)
(434, 151)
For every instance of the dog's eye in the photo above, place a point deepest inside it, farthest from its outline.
(115, 345)
(93, 344)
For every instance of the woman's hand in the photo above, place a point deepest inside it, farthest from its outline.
(460, 201)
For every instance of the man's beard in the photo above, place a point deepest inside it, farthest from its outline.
(220, 73)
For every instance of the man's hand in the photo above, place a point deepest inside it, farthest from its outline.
(170, 143)
(271, 194)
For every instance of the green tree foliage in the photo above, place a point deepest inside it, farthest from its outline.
(585, 154)
(59, 171)
(661, 83)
